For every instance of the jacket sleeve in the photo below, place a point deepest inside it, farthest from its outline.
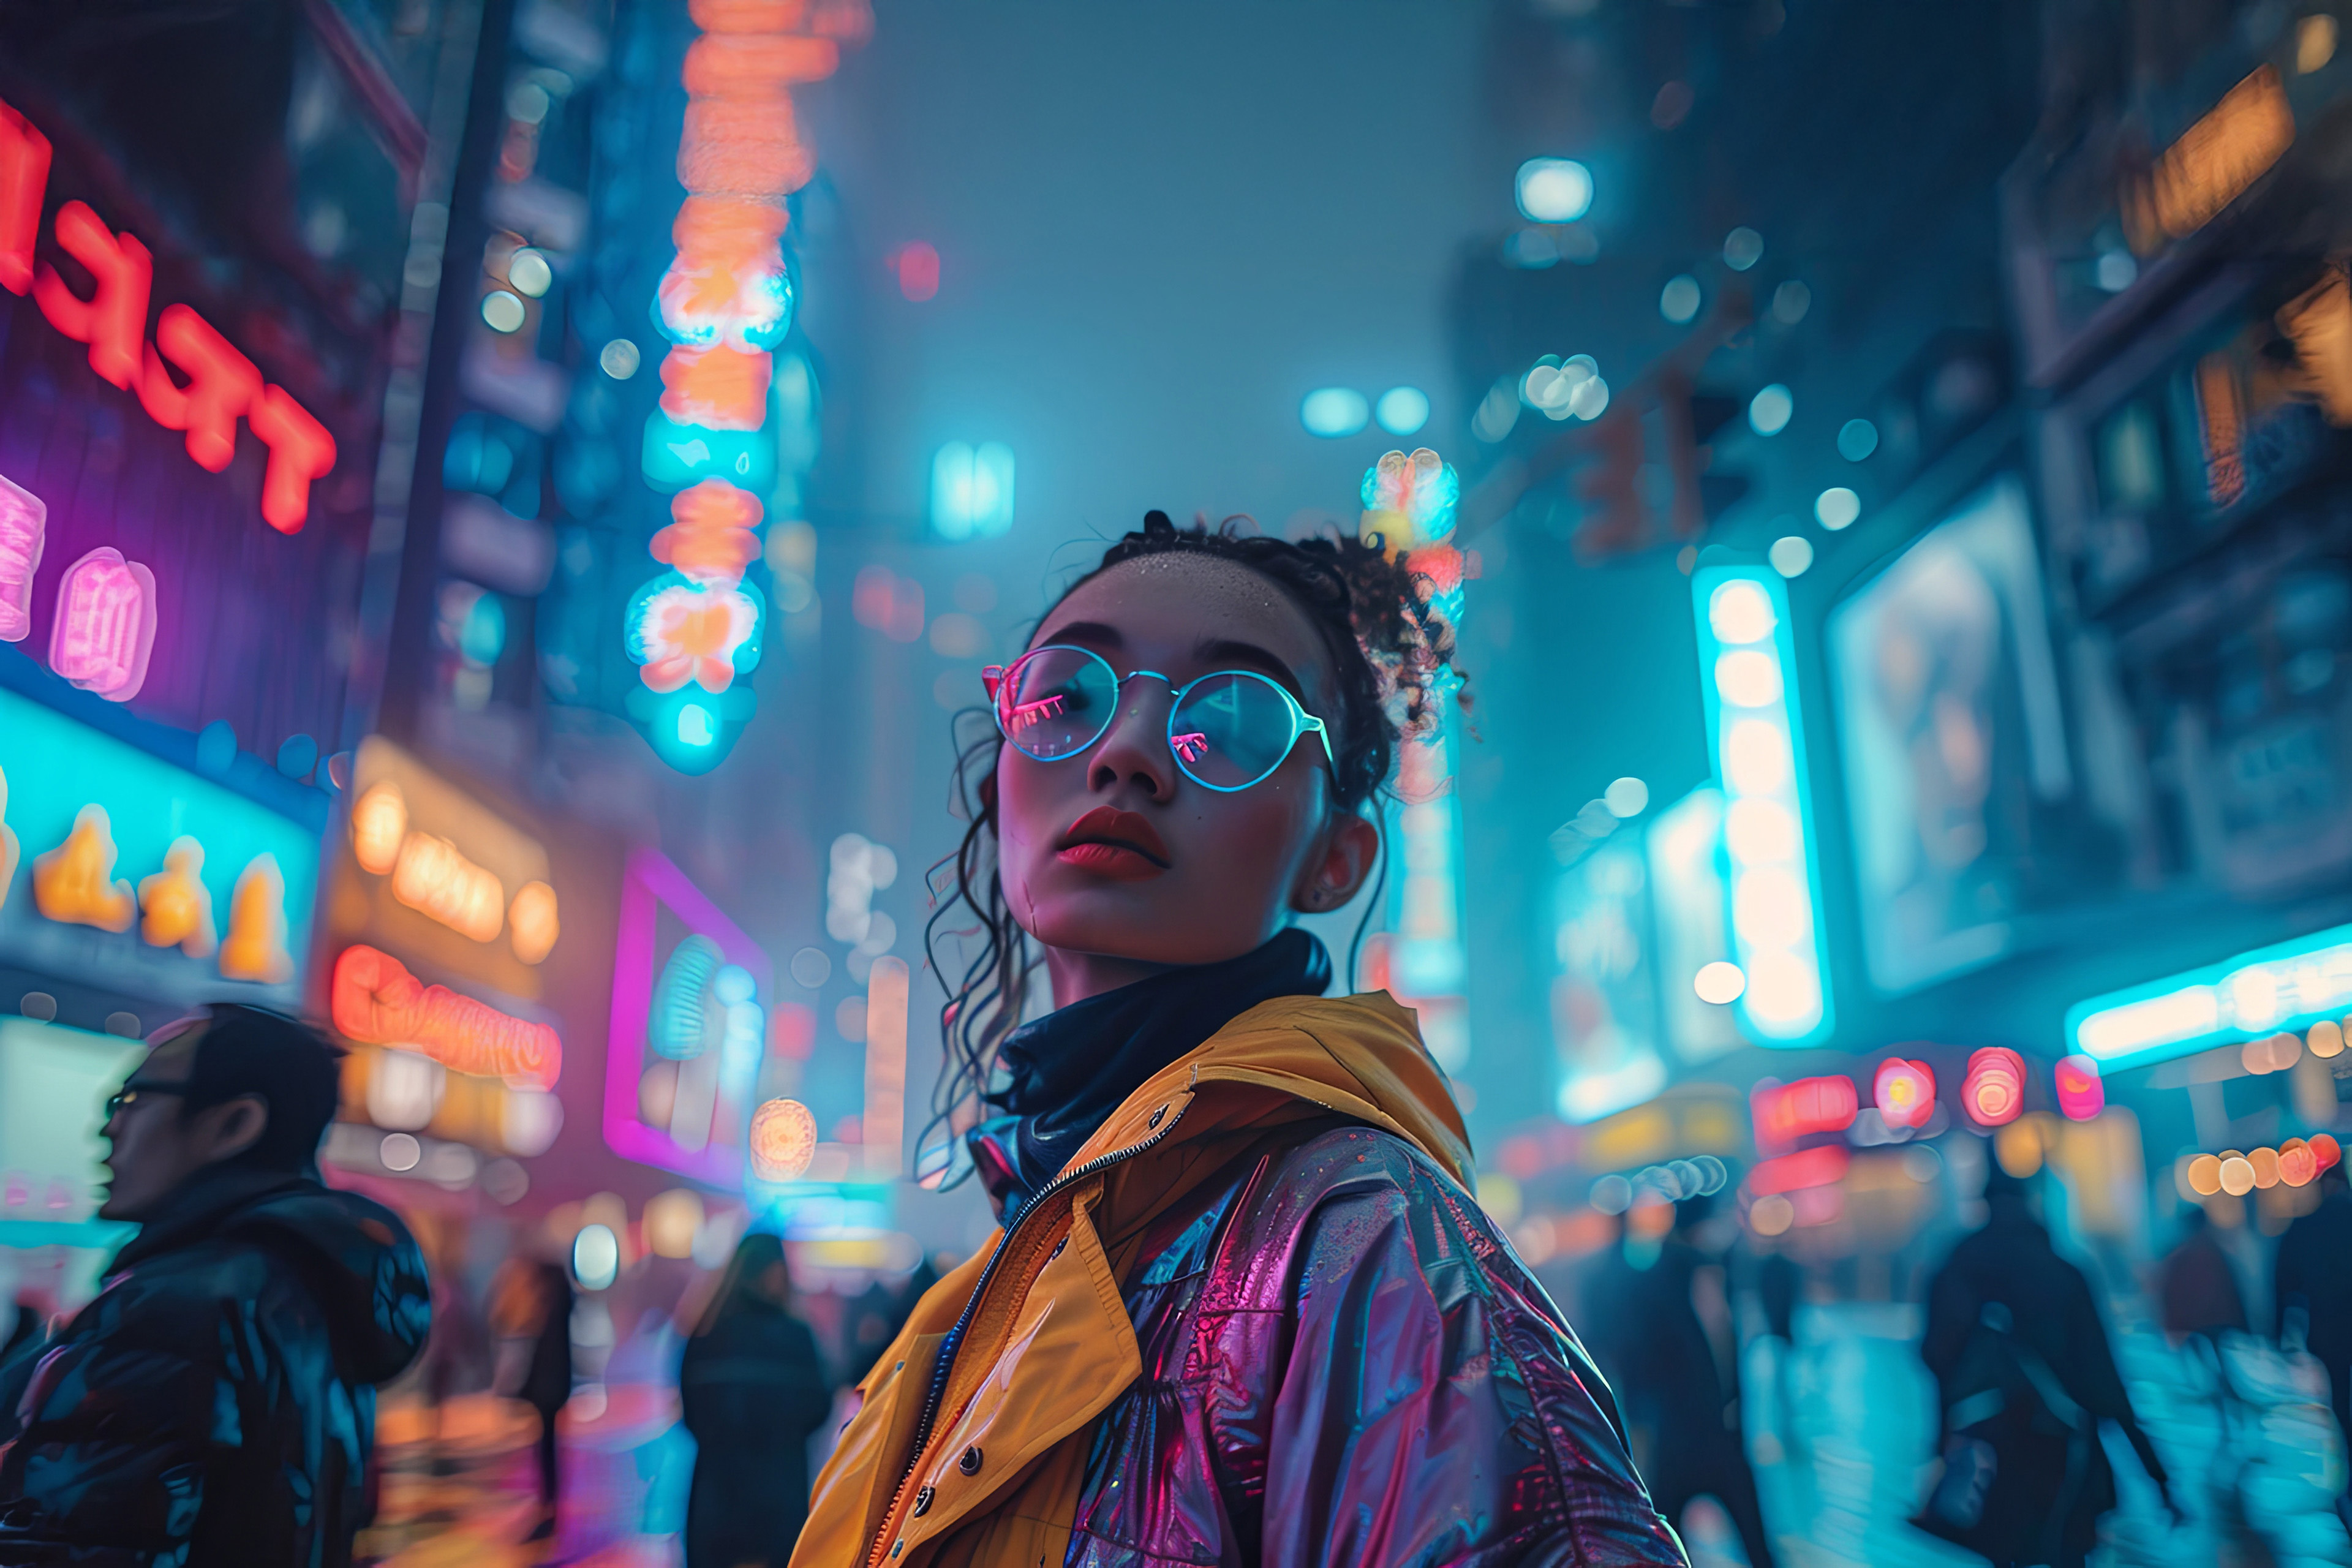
(1434, 1409)
(109, 1468)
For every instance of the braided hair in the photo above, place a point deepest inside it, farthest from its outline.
(1392, 654)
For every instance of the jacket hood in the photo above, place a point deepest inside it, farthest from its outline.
(1360, 1057)
(363, 1263)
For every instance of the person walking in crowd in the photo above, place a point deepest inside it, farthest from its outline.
(215, 1404)
(2196, 1288)
(1666, 1337)
(2312, 1280)
(547, 1381)
(2025, 1376)
(1241, 1306)
(753, 1392)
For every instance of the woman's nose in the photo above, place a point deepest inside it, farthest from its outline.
(1135, 749)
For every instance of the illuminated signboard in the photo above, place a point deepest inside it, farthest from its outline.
(121, 872)
(220, 386)
(1410, 502)
(1603, 998)
(374, 1001)
(687, 1029)
(1747, 656)
(53, 1086)
(725, 303)
(2289, 986)
(2212, 165)
(437, 877)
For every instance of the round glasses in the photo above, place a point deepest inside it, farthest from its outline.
(1228, 730)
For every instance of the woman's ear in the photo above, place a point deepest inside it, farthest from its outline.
(1351, 845)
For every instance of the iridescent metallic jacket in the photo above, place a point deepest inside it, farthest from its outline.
(215, 1404)
(1257, 1319)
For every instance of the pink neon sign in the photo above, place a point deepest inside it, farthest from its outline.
(650, 885)
(23, 520)
(1192, 747)
(105, 626)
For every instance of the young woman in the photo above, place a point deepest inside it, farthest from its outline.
(1241, 1308)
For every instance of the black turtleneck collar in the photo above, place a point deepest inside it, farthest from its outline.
(1067, 1071)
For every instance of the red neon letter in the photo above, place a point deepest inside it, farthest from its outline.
(300, 450)
(113, 320)
(222, 385)
(24, 177)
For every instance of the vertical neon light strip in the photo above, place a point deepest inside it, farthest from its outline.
(1748, 664)
(1410, 501)
(724, 303)
(883, 1129)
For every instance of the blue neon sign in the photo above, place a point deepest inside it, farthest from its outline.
(1747, 663)
(2288, 986)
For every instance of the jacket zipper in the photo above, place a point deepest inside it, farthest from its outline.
(946, 1364)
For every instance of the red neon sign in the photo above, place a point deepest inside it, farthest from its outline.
(24, 175)
(375, 1000)
(1792, 1173)
(1786, 1112)
(222, 384)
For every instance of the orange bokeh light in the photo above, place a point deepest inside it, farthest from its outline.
(783, 1140)
(379, 823)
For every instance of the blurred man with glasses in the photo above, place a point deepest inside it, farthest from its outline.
(215, 1403)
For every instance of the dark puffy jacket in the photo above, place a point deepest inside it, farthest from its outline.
(215, 1403)
(1258, 1320)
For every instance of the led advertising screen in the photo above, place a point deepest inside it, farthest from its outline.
(1604, 1004)
(53, 1085)
(1953, 742)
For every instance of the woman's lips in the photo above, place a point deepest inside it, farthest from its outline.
(1114, 844)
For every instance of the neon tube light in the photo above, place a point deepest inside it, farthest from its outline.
(1748, 650)
(104, 632)
(374, 1001)
(23, 524)
(2291, 985)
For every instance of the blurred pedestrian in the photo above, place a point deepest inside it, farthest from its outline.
(215, 1403)
(2312, 1282)
(1779, 1285)
(547, 1381)
(1667, 1338)
(754, 1391)
(31, 1324)
(2026, 1375)
(2196, 1286)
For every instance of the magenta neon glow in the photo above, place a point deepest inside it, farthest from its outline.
(650, 883)
(1025, 714)
(105, 626)
(24, 524)
(1192, 747)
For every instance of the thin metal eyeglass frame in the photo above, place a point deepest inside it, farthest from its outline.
(995, 677)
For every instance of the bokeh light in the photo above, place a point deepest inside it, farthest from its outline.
(1791, 555)
(1334, 411)
(1401, 410)
(1769, 411)
(1679, 301)
(1554, 190)
(1836, 508)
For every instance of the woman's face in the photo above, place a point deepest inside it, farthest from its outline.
(1116, 862)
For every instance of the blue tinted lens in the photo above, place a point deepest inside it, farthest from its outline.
(1230, 730)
